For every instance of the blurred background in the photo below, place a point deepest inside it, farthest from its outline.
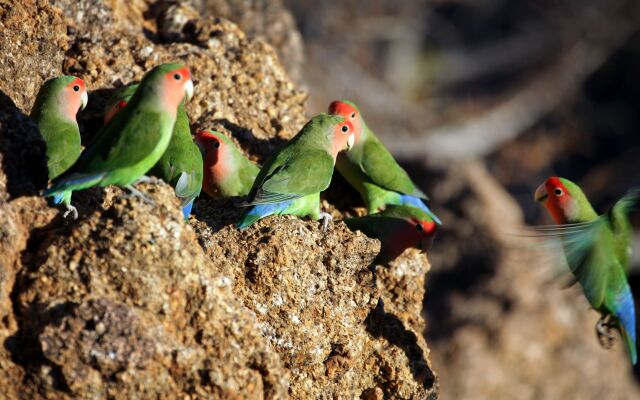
(482, 100)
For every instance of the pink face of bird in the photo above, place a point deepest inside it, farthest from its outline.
(343, 137)
(111, 112)
(350, 113)
(210, 146)
(75, 97)
(176, 85)
(554, 195)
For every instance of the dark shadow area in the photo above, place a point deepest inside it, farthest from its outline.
(22, 150)
(388, 326)
(217, 213)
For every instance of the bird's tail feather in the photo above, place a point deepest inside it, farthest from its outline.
(409, 200)
(625, 312)
(186, 209)
(260, 211)
(73, 182)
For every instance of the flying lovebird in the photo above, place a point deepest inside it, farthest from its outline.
(372, 170)
(54, 111)
(398, 228)
(291, 180)
(227, 172)
(597, 249)
(131, 143)
(181, 164)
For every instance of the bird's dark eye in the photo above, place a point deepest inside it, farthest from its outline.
(353, 115)
(558, 192)
(177, 77)
(76, 88)
(419, 227)
(216, 144)
(345, 128)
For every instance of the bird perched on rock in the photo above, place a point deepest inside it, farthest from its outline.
(398, 228)
(597, 249)
(372, 170)
(54, 111)
(181, 164)
(227, 172)
(290, 182)
(134, 140)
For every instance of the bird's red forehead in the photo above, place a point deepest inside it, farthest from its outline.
(184, 71)
(78, 82)
(206, 135)
(554, 182)
(427, 226)
(341, 108)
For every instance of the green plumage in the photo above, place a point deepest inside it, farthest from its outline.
(60, 133)
(290, 182)
(597, 250)
(181, 164)
(238, 171)
(369, 164)
(129, 145)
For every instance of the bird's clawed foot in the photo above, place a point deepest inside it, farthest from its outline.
(70, 210)
(136, 193)
(325, 217)
(147, 179)
(603, 331)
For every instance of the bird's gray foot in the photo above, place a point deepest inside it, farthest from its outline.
(603, 331)
(147, 179)
(136, 193)
(70, 210)
(325, 217)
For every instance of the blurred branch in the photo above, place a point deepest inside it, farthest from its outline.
(597, 35)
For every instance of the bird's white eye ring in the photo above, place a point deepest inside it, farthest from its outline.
(345, 128)
(76, 88)
(216, 144)
(177, 77)
(558, 192)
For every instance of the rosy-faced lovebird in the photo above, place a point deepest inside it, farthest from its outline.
(181, 164)
(227, 172)
(133, 141)
(372, 170)
(291, 180)
(597, 249)
(398, 228)
(54, 111)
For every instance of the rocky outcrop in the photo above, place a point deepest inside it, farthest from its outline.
(130, 301)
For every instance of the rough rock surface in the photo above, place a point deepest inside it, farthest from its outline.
(131, 302)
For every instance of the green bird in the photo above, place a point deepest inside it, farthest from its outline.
(372, 170)
(597, 249)
(227, 172)
(290, 182)
(135, 139)
(181, 164)
(398, 228)
(54, 111)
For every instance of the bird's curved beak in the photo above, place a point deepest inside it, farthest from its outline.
(84, 99)
(350, 141)
(188, 88)
(541, 194)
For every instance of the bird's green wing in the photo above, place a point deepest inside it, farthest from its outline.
(380, 166)
(130, 137)
(619, 218)
(63, 149)
(293, 173)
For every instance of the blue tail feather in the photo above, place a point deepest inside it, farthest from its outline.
(260, 211)
(625, 312)
(58, 198)
(409, 200)
(186, 209)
